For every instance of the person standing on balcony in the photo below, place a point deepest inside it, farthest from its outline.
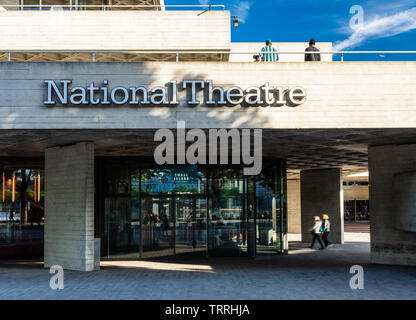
(312, 56)
(269, 53)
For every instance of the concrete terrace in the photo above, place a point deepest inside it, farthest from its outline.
(303, 274)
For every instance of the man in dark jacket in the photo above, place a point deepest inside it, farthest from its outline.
(312, 56)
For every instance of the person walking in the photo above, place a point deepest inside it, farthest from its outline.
(326, 228)
(316, 232)
(312, 56)
(269, 53)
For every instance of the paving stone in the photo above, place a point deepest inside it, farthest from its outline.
(303, 274)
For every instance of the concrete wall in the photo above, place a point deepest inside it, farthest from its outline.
(321, 192)
(8, 3)
(359, 192)
(58, 3)
(339, 95)
(280, 46)
(69, 207)
(293, 206)
(114, 30)
(392, 200)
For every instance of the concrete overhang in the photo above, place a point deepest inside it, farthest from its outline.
(142, 35)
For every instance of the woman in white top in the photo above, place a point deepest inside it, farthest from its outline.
(316, 232)
(326, 228)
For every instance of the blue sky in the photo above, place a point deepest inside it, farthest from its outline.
(387, 25)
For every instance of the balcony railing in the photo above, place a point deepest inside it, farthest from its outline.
(165, 55)
(103, 7)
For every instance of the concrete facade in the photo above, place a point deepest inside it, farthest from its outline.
(321, 192)
(115, 30)
(392, 198)
(69, 207)
(389, 94)
(336, 95)
(356, 192)
(293, 206)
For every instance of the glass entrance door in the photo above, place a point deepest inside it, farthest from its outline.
(157, 236)
(121, 228)
(159, 211)
(227, 228)
(190, 224)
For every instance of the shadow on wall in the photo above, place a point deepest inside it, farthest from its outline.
(85, 112)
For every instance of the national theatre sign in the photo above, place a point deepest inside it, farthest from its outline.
(61, 92)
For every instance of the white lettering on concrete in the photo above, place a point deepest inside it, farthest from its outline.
(62, 96)
(265, 95)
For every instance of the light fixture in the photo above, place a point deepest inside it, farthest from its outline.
(14, 187)
(38, 187)
(4, 186)
(235, 21)
(361, 174)
(34, 190)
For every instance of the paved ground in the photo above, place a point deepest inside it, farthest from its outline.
(357, 227)
(303, 274)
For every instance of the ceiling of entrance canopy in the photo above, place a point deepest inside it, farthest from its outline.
(303, 149)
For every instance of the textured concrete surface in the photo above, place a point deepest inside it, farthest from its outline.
(303, 274)
(340, 95)
(293, 206)
(392, 207)
(69, 206)
(321, 193)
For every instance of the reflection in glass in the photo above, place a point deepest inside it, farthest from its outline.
(271, 209)
(226, 196)
(157, 210)
(22, 213)
(121, 226)
(173, 209)
(190, 227)
(157, 226)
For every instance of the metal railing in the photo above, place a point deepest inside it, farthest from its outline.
(104, 7)
(178, 53)
(341, 53)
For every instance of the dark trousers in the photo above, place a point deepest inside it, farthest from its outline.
(317, 236)
(325, 238)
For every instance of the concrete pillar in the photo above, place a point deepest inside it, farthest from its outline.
(321, 192)
(69, 206)
(393, 204)
(293, 206)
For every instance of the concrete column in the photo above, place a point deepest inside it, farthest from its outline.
(293, 206)
(69, 206)
(321, 192)
(393, 204)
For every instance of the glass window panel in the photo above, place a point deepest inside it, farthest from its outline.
(121, 223)
(179, 209)
(22, 213)
(271, 209)
(190, 224)
(157, 226)
(226, 197)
